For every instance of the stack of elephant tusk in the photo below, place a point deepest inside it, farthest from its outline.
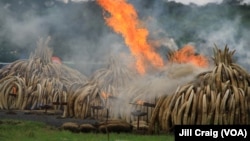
(108, 80)
(218, 97)
(38, 80)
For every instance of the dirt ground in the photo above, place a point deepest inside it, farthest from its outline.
(51, 118)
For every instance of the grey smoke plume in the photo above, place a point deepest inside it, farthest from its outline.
(227, 35)
(219, 29)
(76, 28)
(79, 28)
(67, 1)
(197, 2)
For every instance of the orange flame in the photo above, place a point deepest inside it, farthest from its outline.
(187, 54)
(14, 91)
(104, 95)
(140, 102)
(123, 20)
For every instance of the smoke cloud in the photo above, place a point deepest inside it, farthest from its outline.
(75, 27)
(209, 26)
(197, 2)
(67, 1)
(78, 27)
(221, 31)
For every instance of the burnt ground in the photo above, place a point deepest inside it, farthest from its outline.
(51, 119)
(54, 119)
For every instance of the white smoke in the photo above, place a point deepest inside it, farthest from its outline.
(226, 35)
(74, 28)
(197, 2)
(245, 2)
(24, 30)
(67, 1)
(81, 0)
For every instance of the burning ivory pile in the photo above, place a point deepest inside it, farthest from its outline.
(218, 97)
(37, 81)
(99, 94)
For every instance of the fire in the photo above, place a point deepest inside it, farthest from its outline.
(124, 20)
(104, 95)
(140, 102)
(187, 54)
(13, 90)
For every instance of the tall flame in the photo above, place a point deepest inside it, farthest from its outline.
(187, 55)
(123, 19)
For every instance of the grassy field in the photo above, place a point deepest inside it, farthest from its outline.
(16, 130)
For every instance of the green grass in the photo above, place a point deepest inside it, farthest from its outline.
(15, 130)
